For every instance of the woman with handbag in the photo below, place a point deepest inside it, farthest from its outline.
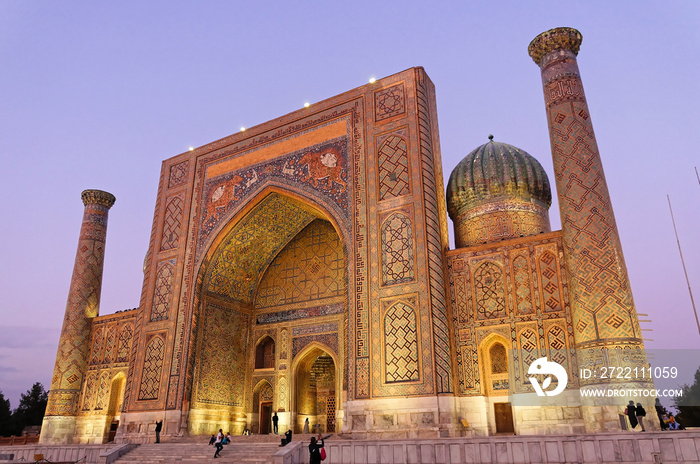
(316, 451)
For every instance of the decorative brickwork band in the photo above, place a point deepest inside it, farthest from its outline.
(603, 309)
(83, 305)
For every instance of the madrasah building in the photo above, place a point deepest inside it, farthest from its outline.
(303, 267)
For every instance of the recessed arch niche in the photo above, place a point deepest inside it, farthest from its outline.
(274, 276)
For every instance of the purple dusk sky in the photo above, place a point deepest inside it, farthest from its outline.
(97, 94)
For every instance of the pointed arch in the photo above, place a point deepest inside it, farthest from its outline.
(496, 364)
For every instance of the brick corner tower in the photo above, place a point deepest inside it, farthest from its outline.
(82, 307)
(605, 321)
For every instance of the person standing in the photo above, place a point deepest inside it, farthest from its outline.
(660, 414)
(640, 412)
(218, 443)
(275, 421)
(306, 426)
(159, 427)
(315, 449)
(631, 412)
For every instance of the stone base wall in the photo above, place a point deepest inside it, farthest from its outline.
(92, 430)
(89, 453)
(634, 447)
(57, 430)
(140, 427)
(413, 417)
(558, 415)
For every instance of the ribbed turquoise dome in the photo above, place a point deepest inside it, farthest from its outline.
(496, 171)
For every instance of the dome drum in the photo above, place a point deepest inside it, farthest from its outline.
(504, 220)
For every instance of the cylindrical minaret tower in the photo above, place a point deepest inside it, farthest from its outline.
(603, 310)
(83, 305)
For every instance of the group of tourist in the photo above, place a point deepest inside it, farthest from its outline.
(219, 440)
(317, 453)
(637, 413)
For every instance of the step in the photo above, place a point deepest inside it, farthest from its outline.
(250, 452)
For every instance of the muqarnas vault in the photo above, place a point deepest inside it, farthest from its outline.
(303, 267)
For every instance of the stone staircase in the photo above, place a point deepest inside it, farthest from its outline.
(248, 450)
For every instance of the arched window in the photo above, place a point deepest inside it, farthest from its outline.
(265, 354)
(496, 368)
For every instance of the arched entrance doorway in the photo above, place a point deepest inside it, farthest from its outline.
(273, 282)
(263, 397)
(315, 387)
(116, 399)
(497, 369)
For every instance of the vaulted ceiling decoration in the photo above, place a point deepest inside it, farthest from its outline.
(252, 244)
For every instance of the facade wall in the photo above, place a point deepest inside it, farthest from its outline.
(324, 232)
(102, 393)
(367, 161)
(513, 293)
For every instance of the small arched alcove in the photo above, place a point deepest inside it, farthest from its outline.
(265, 353)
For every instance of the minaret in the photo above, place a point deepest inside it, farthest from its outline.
(603, 310)
(83, 305)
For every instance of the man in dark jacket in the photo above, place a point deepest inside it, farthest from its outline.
(159, 427)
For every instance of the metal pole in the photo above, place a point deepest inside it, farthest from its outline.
(683, 261)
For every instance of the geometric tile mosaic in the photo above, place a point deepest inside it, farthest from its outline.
(252, 244)
(490, 296)
(393, 168)
(401, 344)
(152, 368)
(397, 250)
(389, 102)
(178, 174)
(549, 282)
(311, 266)
(163, 291)
(171, 224)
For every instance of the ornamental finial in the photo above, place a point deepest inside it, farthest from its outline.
(97, 197)
(559, 38)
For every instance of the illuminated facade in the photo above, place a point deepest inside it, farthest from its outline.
(303, 267)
